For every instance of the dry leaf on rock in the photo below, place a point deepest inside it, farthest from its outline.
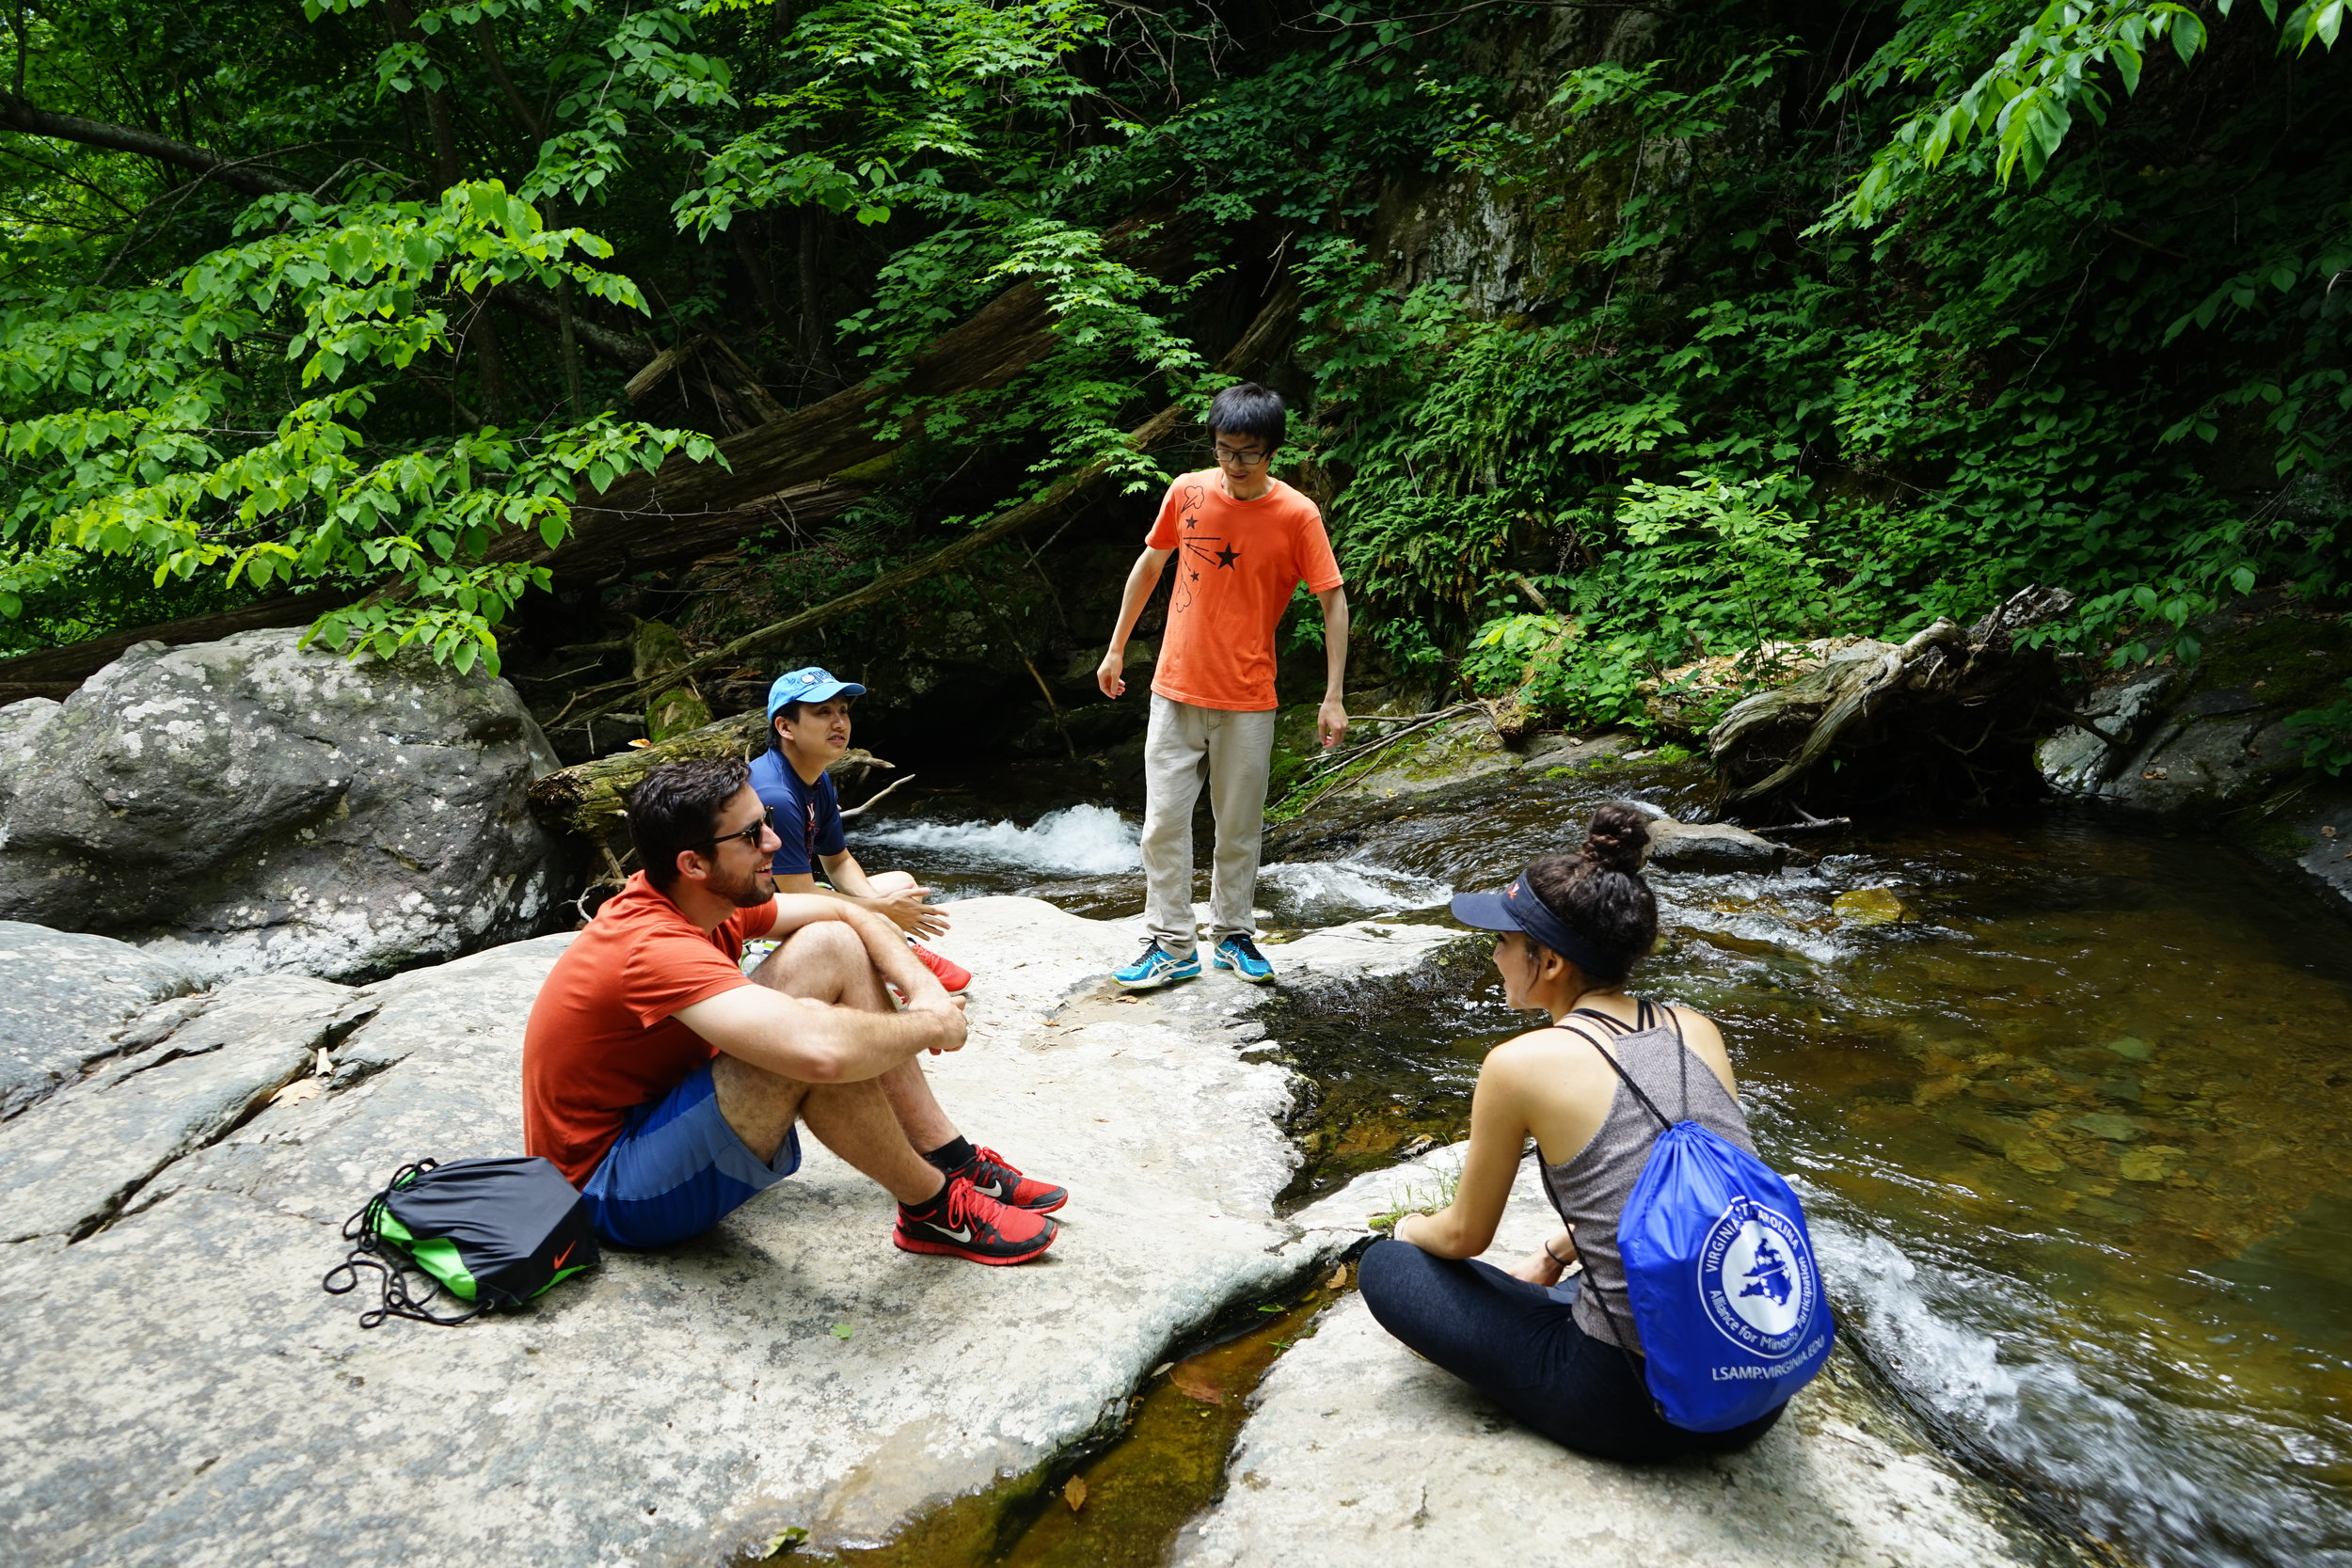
(298, 1091)
(1338, 1279)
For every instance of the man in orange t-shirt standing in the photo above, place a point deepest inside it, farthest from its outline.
(1243, 542)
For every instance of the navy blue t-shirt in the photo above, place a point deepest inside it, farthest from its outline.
(808, 816)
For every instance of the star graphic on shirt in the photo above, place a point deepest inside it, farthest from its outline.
(1196, 576)
(1227, 556)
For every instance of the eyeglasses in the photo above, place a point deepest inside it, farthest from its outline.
(1246, 459)
(750, 836)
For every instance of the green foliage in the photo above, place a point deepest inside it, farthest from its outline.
(1721, 420)
(2325, 733)
(1762, 352)
(885, 98)
(2065, 58)
(1718, 563)
(128, 431)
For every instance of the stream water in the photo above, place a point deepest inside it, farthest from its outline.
(2077, 1128)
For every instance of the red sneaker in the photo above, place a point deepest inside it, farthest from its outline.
(952, 974)
(992, 1176)
(974, 1227)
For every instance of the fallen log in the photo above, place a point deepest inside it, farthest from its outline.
(809, 461)
(587, 798)
(1265, 337)
(590, 798)
(1881, 711)
(54, 673)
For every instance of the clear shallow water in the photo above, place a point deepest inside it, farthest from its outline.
(2077, 1135)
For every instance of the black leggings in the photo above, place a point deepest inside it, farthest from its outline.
(1520, 1345)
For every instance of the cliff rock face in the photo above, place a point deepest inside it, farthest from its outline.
(247, 807)
(2190, 740)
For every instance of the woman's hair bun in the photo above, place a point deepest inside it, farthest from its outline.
(1615, 839)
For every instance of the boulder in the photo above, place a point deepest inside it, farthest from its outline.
(790, 1372)
(1711, 847)
(2179, 740)
(68, 1001)
(251, 805)
(1350, 1426)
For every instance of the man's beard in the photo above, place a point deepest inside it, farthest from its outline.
(752, 890)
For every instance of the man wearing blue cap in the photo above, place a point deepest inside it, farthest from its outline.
(808, 731)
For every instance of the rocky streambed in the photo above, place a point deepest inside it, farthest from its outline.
(2067, 1098)
(178, 1389)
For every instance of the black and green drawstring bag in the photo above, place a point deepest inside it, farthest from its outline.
(492, 1232)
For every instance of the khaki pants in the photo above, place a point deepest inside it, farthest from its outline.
(1231, 750)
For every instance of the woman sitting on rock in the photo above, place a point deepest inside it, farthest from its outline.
(1563, 1357)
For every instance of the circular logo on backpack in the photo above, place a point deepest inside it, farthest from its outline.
(1756, 1277)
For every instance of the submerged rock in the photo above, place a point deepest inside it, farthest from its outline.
(249, 805)
(1871, 906)
(175, 1388)
(1357, 1449)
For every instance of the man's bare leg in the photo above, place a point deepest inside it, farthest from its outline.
(908, 1089)
(858, 1121)
(854, 1121)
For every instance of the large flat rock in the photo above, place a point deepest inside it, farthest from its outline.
(1355, 1439)
(66, 999)
(71, 1163)
(174, 1388)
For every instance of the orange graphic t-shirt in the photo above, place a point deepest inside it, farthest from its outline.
(1235, 566)
(601, 1040)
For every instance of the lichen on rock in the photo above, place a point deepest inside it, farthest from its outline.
(253, 805)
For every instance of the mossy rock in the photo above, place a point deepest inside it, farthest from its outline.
(2300, 661)
(674, 712)
(1294, 749)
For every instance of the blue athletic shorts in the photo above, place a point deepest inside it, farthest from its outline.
(678, 1169)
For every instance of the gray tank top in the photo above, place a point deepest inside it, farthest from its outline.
(1591, 1186)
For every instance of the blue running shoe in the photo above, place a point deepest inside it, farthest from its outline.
(1156, 968)
(1240, 954)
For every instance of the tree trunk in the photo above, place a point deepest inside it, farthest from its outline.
(1936, 719)
(588, 798)
(1257, 345)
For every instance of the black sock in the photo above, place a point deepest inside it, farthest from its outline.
(931, 1208)
(953, 1155)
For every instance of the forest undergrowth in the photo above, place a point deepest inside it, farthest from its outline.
(1627, 337)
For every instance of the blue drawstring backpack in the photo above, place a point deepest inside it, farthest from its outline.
(1719, 1271)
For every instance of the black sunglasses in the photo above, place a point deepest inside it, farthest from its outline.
(750, 836)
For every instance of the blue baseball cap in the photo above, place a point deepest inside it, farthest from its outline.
(811, 685)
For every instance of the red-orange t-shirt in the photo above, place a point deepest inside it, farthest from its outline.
(602, 1040)
(1236, 564)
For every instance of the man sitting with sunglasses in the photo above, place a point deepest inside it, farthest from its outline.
(667, 1086)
